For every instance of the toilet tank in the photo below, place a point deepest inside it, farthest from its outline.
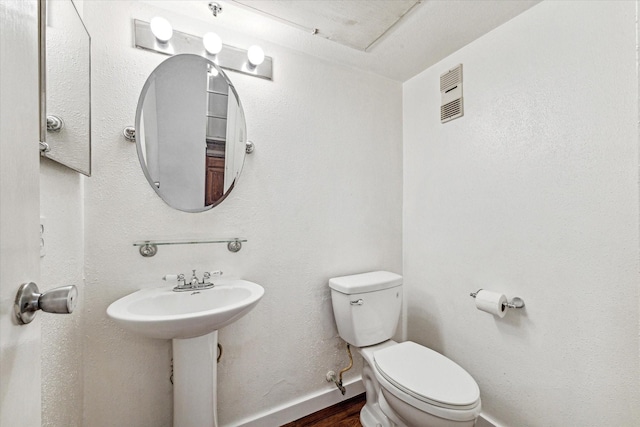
(367, 306)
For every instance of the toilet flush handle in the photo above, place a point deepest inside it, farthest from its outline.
(357, 302)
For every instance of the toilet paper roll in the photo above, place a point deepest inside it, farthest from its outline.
(170, 278)
(491, 302)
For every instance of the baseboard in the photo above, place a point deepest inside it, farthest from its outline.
(315, 402)
(485, 421)
(301, 407)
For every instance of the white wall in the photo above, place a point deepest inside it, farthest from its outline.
(320, 197)
(533, 193)
(61, 205)
(61, 212)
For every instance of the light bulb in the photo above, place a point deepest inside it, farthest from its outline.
(212, 43)
(162, 29)
(255, 55)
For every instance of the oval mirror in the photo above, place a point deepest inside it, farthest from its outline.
(190, 133)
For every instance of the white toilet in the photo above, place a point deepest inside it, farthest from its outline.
(407, 385)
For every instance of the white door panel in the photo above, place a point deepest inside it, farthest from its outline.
(20, 346)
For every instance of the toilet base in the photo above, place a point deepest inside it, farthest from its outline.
(406, 415)
(383, 409)
(371, 416)
(394, 420)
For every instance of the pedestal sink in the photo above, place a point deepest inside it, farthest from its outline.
(191, 320)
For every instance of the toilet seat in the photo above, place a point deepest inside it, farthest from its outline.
(427, 380)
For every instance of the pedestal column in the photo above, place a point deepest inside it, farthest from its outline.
(195, 381)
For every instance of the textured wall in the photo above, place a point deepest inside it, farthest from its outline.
(61, 205)
(320, 197)
(533, 193)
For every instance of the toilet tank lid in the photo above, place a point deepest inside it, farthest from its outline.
(365, 282)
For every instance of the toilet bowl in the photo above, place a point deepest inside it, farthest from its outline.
(416, 380)
(407, 384)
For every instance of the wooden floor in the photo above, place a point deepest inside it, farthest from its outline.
(343, 414)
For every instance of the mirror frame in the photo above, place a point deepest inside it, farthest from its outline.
(45, 148)
(141, 156)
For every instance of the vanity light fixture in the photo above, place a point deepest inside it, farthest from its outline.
(212, 43)
(252, 62)
(255, 54)
(161, 29)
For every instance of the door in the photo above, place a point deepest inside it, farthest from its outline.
(214, 187)
(20, 346)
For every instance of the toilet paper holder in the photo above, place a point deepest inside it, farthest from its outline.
(515, 302)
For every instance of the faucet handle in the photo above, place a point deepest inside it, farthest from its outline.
(206, 276)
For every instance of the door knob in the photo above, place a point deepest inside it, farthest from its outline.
(29, 300)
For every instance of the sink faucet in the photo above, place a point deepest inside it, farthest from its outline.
(194, 283)
(194, 280)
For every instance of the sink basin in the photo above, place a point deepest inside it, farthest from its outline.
(163, 313)
(190, 319)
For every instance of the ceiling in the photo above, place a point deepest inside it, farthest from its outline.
(354, 23)
(416, 38)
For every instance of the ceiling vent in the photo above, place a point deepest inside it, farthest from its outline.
(451, 106)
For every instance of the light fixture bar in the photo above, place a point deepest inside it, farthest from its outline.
(229, 58)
